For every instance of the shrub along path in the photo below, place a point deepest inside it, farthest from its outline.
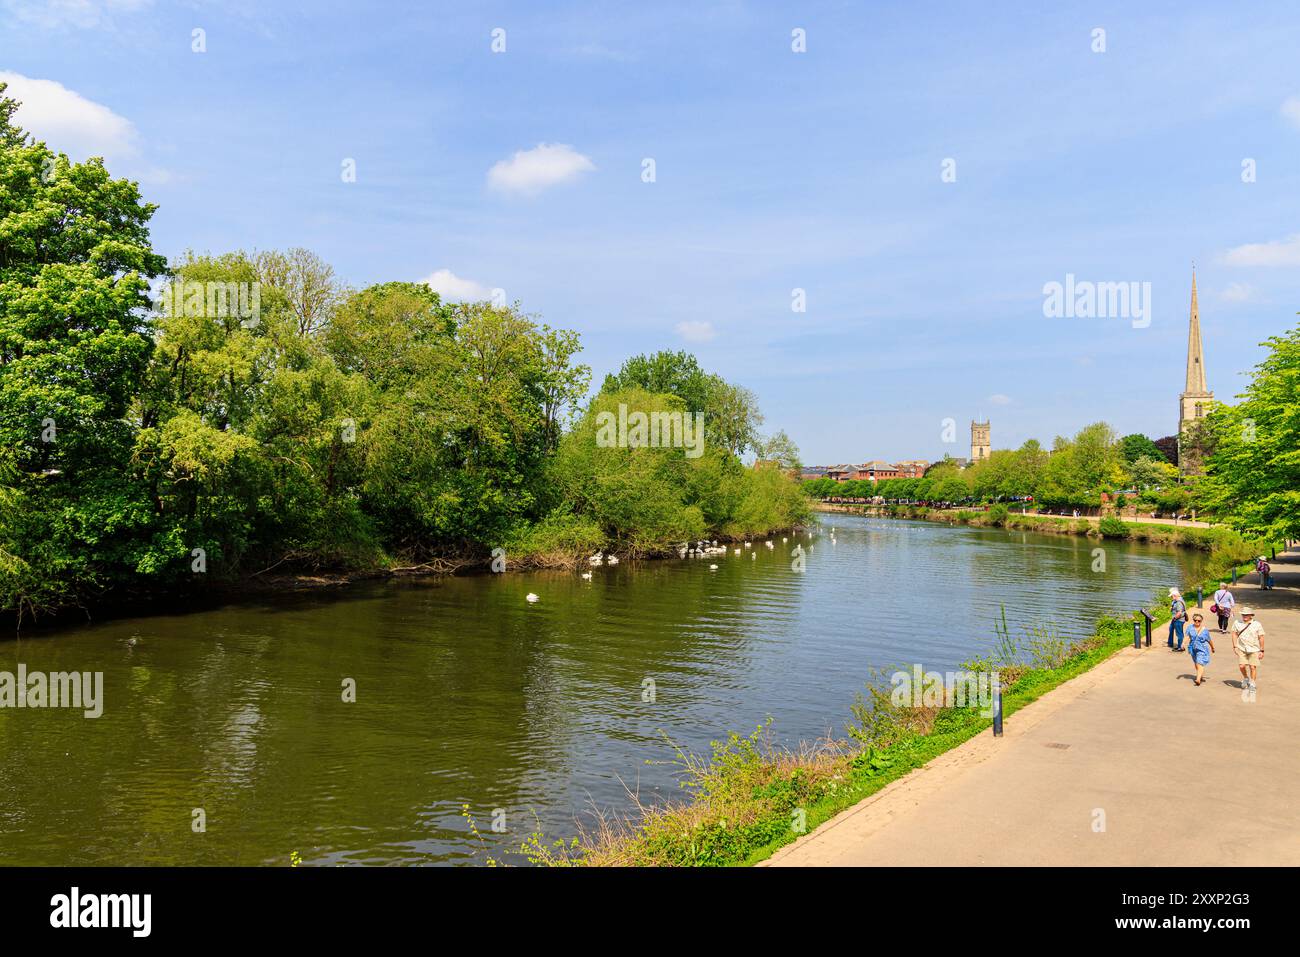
(1128, 764)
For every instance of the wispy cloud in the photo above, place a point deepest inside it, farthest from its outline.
(85, 14)
(1279, 252)
(999, 399)
(1237, 292)
(1291, 110)
(453, 288)
(694, 331)
(531, 171)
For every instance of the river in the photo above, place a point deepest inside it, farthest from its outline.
(466, 693)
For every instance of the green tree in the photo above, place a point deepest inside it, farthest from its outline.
(1252, 479)
(75, 261)
(778, 448)
(731, 415)
(1135, 446)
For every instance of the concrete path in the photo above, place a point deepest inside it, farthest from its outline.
(1128, 764)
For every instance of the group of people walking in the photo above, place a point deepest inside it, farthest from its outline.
(1247, 634)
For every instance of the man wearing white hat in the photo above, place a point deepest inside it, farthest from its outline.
(1177, 618)
(1248, 643)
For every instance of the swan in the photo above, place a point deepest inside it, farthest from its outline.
(586, 576)
(530, 598)
(713, 568)
(612, 560)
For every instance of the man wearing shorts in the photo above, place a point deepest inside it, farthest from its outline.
(1248, 643)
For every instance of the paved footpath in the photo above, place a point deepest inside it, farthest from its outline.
(1183, 775)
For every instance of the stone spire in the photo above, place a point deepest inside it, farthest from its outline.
(1195, 356)
(1196, 399)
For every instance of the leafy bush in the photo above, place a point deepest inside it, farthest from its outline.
(1112, 527)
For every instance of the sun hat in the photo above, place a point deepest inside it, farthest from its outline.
(1247, 611)
(1175, 591)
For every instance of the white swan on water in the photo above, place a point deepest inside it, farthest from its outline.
(530, 598)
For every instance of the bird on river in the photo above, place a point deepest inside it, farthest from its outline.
(530, 598)
(586, 576)
(612, 560)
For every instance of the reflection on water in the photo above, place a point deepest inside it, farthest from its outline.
(468, 694)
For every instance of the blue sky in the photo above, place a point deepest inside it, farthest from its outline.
(774, 170)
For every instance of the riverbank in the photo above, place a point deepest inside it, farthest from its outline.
(1229, 545)
(1051, 791)
(268, 583)
(751, 798)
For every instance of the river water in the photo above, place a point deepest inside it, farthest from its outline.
(466, 693)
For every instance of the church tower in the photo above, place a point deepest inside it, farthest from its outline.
(1196, 399)
(979, 441)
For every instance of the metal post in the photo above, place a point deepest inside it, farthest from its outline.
(1234, 574)
(1137, 635)
(1200, 598)
(1147, 616)
(997, 707)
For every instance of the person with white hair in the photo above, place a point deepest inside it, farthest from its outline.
(1177, 619)
(1223, 605)
(1265, 573)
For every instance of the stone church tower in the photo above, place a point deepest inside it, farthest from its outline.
(979, 441)
(1196, 399)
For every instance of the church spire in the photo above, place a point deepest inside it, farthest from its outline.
(1195, 357)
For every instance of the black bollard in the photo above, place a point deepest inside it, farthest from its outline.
(1234, 574)
(1200, 598)
(1137, 635)
(1147, 616)
(997, 708)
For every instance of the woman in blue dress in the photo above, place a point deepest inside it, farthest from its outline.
(1199, 646)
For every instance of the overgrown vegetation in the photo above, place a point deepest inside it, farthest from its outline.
(252, 414)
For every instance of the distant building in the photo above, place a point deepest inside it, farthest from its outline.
(912, 468)
(979, 441)
(878, 471)
(810, 473)
(1196, 399)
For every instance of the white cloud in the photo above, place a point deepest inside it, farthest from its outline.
(1000, 399)
(74, 13)
(453, 288)
(696, 331)
(531, 171)
(1280, 252)
(1291, 110)
(67, 121)
(1237, 292)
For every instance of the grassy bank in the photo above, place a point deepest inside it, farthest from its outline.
(1225, 545)
(750, 797)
